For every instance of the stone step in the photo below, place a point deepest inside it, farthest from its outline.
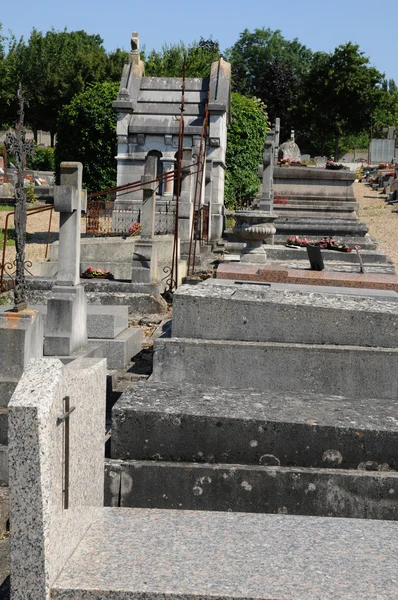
(318, 226)
(191, 554)
(309, 213)
(252, 489)
(198, 423)
(365, 242)
(350, 371)
(224, 310)
(314, 199)
(286, 253)
(122, 349)
(331, 265)
(317, 207)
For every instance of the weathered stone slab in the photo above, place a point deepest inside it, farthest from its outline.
(66, 323)
(368, 256)
(350, 371)
(140, 298)
(106, 321)
(199, 423)
(255, 489)
(102, 321)
(121, 350)
(21, 338)
(313, 182)
(47, 523)
(188, 554)
(249, 312)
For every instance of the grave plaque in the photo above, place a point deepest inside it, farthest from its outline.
(315, 258)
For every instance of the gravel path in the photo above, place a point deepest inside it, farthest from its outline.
(381, 221)
(37, 230)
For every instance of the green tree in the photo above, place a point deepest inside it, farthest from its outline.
(245, 143)
(385, 113)
(339, 96)
(269, 67)
(10, 69)
(114, 65)
(87, 133)
(170, 60)
(56, 66)
(42, 160)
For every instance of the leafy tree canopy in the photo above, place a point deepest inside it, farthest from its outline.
(87, 133)
(170, 60)
(266, 65)
(340, 92)
(246, 136)
(52, 68)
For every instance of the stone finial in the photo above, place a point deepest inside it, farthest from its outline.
(292, 135)
(134, 56)
(135, 42)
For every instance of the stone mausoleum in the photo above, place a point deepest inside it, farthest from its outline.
(148, 116)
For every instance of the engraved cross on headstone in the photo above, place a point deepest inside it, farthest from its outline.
(64, 420)
(17, 145)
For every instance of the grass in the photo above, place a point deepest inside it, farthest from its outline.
(7, 208)
(10, 237)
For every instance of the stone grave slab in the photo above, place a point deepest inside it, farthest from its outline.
(350, 371)
(291, 314)
(189, 554)
(340, 493)
(200, 423)
(328, 277)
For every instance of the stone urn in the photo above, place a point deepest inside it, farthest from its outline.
(254, 227)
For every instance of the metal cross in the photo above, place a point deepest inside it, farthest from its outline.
(64, 419)
(20, 148)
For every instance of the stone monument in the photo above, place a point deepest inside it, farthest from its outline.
(148, 112)
(66, 327)
(289, 151)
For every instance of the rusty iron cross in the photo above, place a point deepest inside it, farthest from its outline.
(21, 148)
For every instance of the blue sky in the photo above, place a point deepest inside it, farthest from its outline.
(320, 25)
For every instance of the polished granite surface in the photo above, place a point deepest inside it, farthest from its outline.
(131, 553)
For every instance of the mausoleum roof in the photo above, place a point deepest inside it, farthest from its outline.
(154, 102)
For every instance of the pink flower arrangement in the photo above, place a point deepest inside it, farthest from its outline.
(135, 228)
(296, 240)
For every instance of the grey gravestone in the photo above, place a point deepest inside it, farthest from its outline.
(56, 448)
(66, 327)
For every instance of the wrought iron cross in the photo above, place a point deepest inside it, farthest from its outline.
(20, 148)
